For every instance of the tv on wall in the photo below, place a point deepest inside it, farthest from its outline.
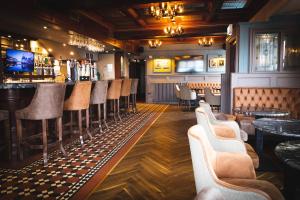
(19, 61)
(189, 64)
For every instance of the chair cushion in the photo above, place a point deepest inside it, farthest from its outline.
(261, 185)
(253, 155)
(234, 165)
(224, 131)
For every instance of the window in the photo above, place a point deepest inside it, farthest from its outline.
(291, 52)
(266, 52)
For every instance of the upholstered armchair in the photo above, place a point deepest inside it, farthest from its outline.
(227, 141)
(213, 100)
(223, 125)
(187, 95)
(209, 166)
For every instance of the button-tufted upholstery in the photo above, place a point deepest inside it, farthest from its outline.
(202, 85)
(281, 98)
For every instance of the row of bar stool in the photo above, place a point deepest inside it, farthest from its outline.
(48, 103)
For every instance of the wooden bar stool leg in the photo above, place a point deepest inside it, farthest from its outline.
(104, 113)
(45, 145)
(135, 108)
(80, 127)
(71, 121)
(118, 109)
(59, 129)
(87, 123)
(19, 138)
(128, 102)
(114, 105)
(99, 117)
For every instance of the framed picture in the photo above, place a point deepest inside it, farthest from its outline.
(162, 66)
(216, 63)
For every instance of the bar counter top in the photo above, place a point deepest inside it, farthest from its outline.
(27, 85)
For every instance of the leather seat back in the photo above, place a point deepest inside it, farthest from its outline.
(286, 99)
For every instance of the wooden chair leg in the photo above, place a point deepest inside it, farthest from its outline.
(59, 129)
(71, 121)
(114, 105)
(80, 126)
(104, 115)
(128, 106)
(45, 144)
(87, 123)
(135, 107)
(118, 109)
(99, 118)
(19, 138)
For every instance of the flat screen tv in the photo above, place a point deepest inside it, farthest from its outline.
(192, 64)
(19, 61)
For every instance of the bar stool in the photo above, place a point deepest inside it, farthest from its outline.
(6, 146)
(79, 101)
(98, 97)
(46, 104)
(114, 93)
(133, 92)
(125, 92)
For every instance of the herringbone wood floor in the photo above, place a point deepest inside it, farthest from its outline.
(158, 167)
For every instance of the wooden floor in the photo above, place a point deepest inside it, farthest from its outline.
(158, 167)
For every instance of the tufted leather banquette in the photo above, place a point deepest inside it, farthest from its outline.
(287, 99)
(202, 85)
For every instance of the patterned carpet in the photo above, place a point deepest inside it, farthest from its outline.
(76, 175)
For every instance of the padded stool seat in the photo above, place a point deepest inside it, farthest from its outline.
(46, 104)
(133, 93)
(98, 97)
(79, 101)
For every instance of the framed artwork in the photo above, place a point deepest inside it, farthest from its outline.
(216, 63)
(162, 66)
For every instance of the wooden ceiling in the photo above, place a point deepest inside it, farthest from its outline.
(122, 23)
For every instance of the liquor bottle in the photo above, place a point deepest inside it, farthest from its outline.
(69, 70)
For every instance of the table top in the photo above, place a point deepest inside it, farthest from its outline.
(261, 112)
(290, 128)
(289, 153)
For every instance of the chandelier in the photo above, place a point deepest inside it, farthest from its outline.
(165, 9)
(173, 29)
(205, 42)
(82, 41)
(154, 43)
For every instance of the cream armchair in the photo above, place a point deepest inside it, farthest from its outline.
(224, 144)
(187, 95)
(204, 159)
(177, 93)
(219, 124)
(213, 100)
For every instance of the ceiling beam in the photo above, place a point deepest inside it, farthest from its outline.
(134, 15)
(213, 6)
(151, 34)
(97, 18)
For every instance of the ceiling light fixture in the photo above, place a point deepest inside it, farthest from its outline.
(154, 43)
(45, 27)
(64, 44)
(173, 29)
(9, 36)
(205, 42)
(166, 9)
